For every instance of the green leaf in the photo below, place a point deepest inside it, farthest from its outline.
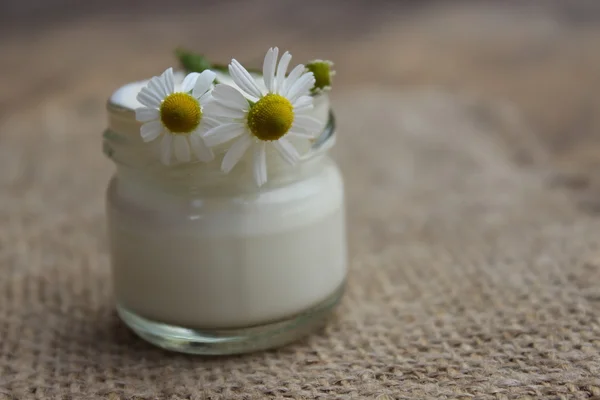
(196, 62)
(192, 62)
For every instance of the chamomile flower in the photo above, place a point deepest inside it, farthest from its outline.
(176, 116)
(323, 72)
(263, 117)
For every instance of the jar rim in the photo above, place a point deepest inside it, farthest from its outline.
(324, 141)
(130, 153)
(120, 115)
(123, 144)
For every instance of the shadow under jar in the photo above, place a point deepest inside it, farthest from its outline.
(208, 263)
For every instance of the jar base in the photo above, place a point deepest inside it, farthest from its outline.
(231, 341)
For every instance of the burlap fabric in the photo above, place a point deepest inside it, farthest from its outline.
(472, 273)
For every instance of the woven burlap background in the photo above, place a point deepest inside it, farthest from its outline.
(473, 272)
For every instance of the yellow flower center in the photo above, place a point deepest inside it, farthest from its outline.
(180, 113)
(270, 117)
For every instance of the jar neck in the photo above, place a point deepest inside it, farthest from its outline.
(138, 164)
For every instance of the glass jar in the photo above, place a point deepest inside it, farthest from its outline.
(208, 263)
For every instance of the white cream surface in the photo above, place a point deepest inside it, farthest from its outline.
(228, 262)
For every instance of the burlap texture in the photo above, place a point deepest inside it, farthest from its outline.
(471, 275)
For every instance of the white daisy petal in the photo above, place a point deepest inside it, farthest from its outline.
(248, 77)
(151, 130)
(301, 87)
(287, 151)
(145, 114)
(303, 135)
(291, 79)
(200, 149)
(303, 109)
(243, 79)
(303, 102)
(306, 123)
(229, 97)
(238, 79)
(149, 98)
(214, 109)
(223, 133)
(182, 148)
(189, 81)
(269, 68)
(281, 70)
(205, 80)
(169, 80)
(259, 167)
(235, 153)
(205, 98)
(165, 149)
(208, 123)
(157, 84)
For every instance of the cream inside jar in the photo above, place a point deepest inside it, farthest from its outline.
(195, 248)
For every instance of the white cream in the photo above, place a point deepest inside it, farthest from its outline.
(230, 262)
(221, 259)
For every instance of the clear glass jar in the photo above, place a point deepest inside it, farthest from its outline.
(205, 262)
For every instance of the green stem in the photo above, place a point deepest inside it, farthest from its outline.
(195, 62)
